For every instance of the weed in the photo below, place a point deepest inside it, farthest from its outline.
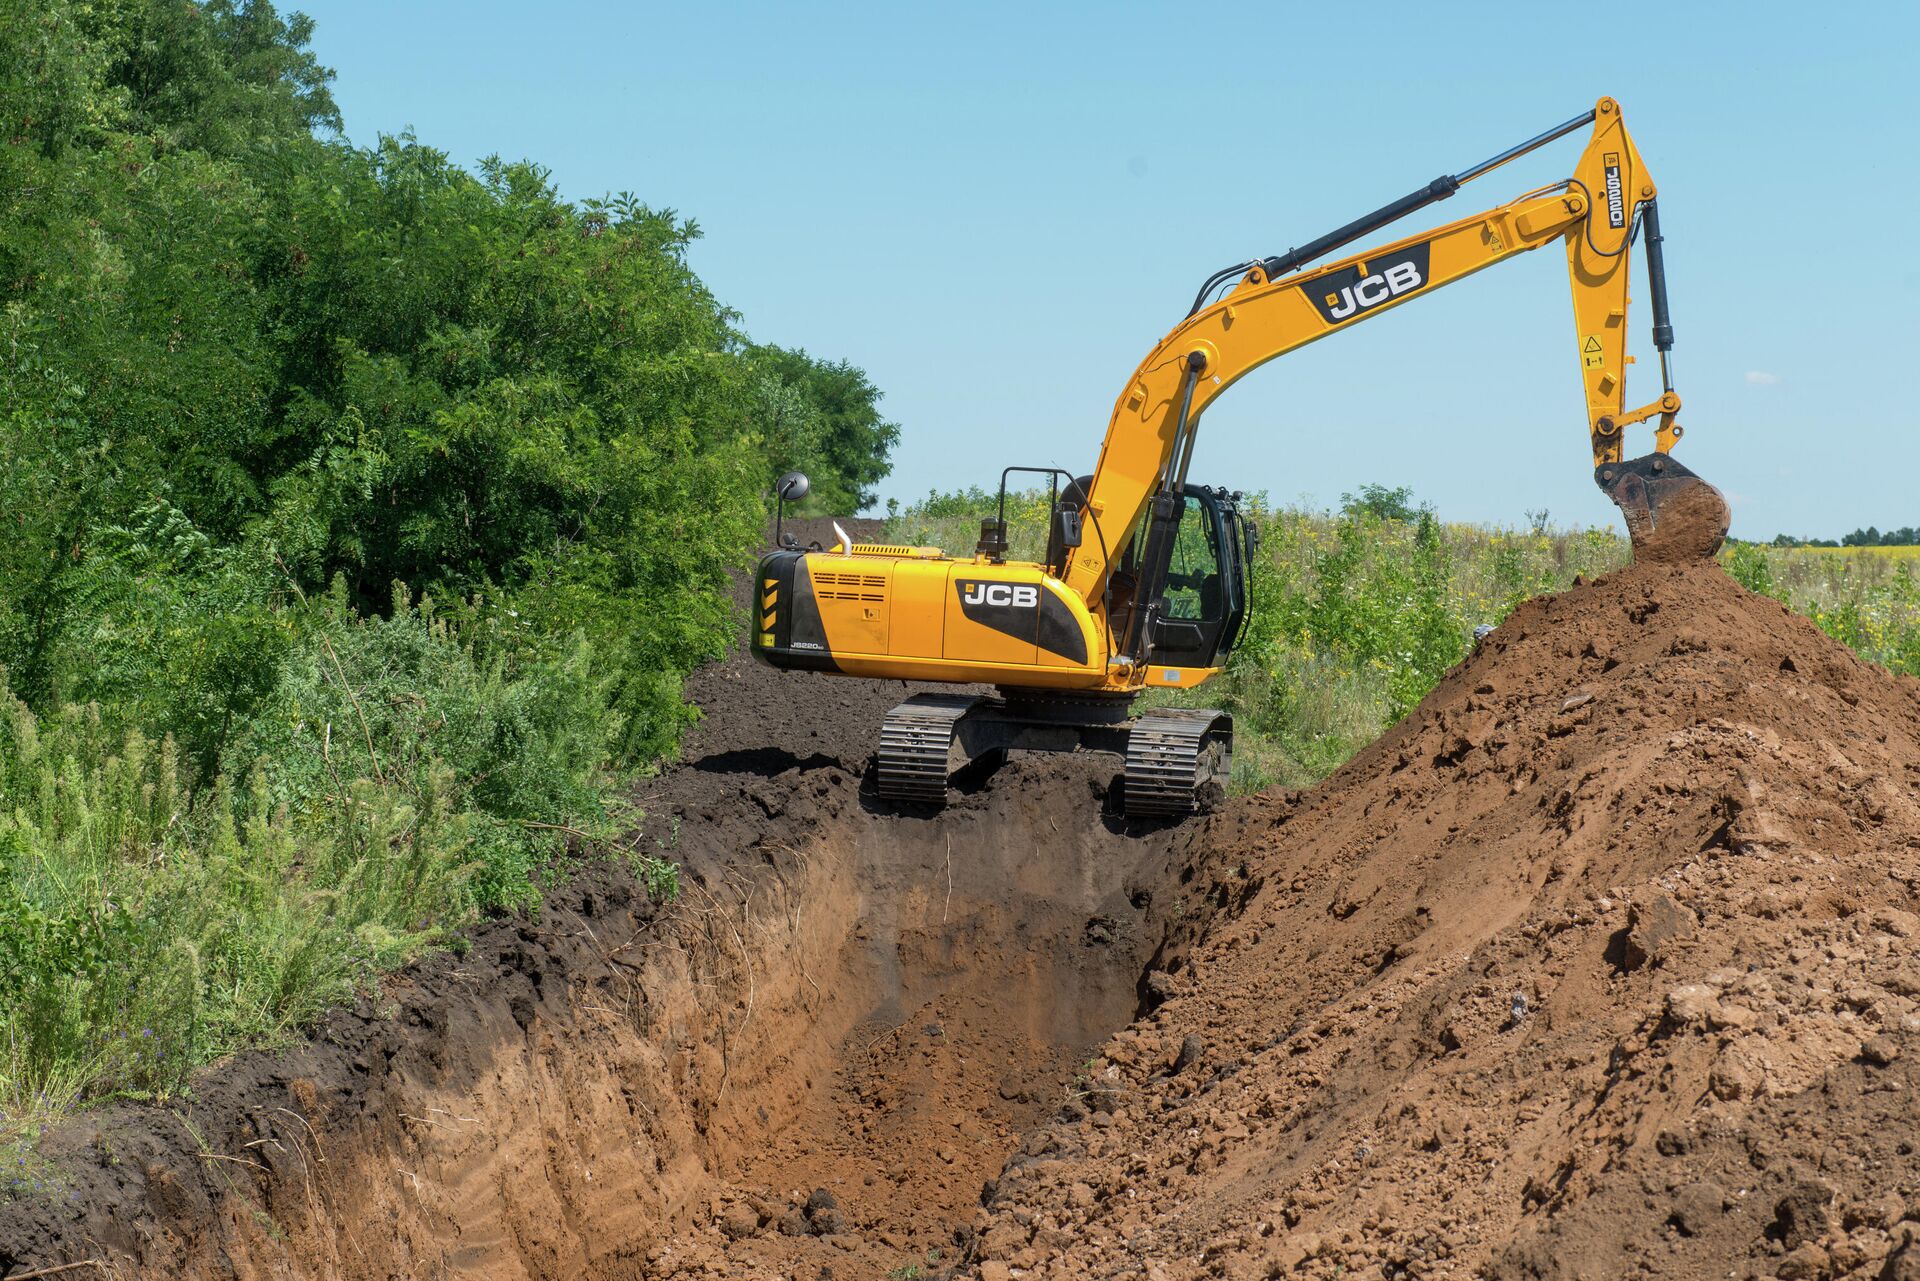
(148, 925)
(660, 876)
(24, 1172)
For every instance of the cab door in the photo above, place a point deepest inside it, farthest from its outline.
(1202, 601)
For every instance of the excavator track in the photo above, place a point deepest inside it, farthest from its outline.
(1178, 760)
(917, 747)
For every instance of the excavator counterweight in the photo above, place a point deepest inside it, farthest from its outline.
(1145, 581)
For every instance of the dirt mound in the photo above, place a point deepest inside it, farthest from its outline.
(1602, 962)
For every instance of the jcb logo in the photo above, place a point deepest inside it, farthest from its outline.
(1374, 290)
(1344, 294)
(1018, 595)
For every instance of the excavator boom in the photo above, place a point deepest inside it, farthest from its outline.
(1280, 304)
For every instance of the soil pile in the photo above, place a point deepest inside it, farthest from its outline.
(1604, 962)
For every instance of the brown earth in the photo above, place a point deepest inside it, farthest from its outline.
(1693, 519)
(1602, 963)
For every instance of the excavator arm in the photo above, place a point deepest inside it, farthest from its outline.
(1281, 303)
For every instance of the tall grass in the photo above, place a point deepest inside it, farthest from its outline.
(1867, 597)
(394, 781)
(148, 928)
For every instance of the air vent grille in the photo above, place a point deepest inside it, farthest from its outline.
(867, 587)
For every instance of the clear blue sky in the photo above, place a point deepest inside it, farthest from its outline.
(997, 209)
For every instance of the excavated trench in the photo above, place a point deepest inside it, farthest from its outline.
(814, 1059)
(894, 1020)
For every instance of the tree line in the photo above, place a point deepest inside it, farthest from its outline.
(364, 512)
(1905, 536)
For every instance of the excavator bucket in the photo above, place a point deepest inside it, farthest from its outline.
(1672, 515)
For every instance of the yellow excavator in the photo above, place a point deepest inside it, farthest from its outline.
(1145, 576)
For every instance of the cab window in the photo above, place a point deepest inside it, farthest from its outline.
(1194, 588)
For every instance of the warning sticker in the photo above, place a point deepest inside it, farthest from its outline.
(1590, 354)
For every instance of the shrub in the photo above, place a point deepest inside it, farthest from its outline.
(147, 927)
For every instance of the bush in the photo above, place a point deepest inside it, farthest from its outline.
(251, 378)
(147, 927)
(388, 786)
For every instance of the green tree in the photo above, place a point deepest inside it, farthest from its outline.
(327, 360)
(846, 441)
(213, 75)
(1381, 503)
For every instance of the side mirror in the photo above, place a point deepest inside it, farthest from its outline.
(993, 539)
(1066, 526)
(790, 488)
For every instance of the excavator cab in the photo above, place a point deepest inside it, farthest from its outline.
(1201, 609)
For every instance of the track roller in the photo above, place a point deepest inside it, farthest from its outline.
(1178, 760)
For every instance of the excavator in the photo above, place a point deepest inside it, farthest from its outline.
(1144, 580)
